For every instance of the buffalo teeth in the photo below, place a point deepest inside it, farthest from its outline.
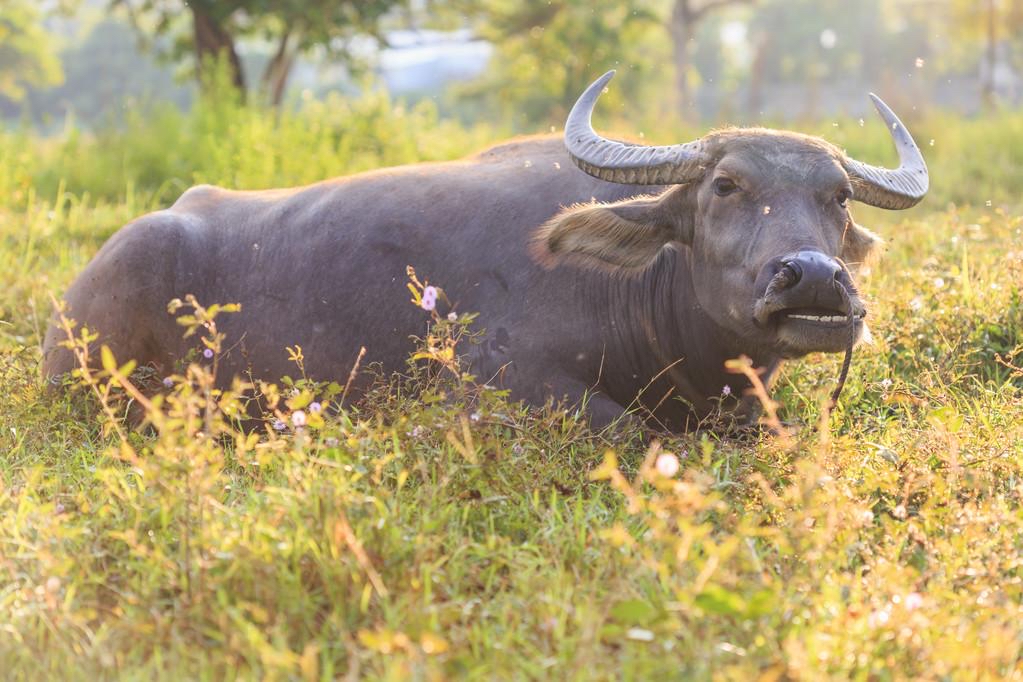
(819, 318)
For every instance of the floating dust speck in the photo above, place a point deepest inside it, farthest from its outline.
(919, 63)
(767, 210)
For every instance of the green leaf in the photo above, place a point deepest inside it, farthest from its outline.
(715, 599)
(633, 612)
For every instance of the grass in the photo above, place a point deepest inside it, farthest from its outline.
(419, 537)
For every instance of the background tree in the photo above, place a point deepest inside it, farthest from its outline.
(291, 27)
(686, 16)
(994, 25)
(548, 51)
(27, 54)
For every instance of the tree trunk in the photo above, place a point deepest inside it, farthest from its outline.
(212, 43)
(275, 77)
(991, 55)
(681, 29)
(755, 100)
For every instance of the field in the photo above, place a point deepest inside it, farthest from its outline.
(430, 538)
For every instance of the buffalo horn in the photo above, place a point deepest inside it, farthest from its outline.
(621, 162)
(892, 189)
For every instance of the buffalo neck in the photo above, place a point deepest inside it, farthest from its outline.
(669, 348)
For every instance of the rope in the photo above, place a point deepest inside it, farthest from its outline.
(847, 362)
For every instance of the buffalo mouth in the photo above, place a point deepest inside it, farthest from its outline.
(801, 330)
(816, 317)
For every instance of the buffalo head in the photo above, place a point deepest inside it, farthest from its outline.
(765, 214)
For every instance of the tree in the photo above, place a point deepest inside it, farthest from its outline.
(548, 51)
(290, 26)
(685, 18)
(27, 57)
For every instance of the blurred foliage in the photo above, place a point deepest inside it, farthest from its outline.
(292, 27)
(27, 56)
(548, 52)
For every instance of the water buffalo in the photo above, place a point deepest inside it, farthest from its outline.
(620, 272)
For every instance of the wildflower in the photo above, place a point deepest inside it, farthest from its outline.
(886, 383)
(878, 618)
(279, 425)
(168, 382)
(899, 512)
(914, 600)
(315, 407)
(59, 508)
(298, 418)
(53, 584)
(331, 442)
(667, 464)
(726, 390)
(866, 516)
(452, 317)
(429, 301)
(208, 353)
(475, 416)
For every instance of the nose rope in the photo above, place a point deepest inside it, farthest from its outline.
(847, 361)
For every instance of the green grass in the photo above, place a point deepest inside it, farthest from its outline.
(418, 537)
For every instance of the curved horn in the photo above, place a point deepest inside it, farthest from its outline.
(628, 164)
(892, 189)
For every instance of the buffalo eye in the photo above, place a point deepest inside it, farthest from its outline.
(724, 186)
(843, 196)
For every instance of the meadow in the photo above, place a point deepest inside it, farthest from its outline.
(449, 534)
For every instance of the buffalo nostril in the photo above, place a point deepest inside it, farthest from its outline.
(792, 273)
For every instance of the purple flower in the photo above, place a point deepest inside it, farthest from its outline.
(429, 301)
(726, 390)
(279, 425)
(168, 382)
(208, 353)
(315, 407)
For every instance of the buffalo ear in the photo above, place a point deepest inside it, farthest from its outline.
(626, 234)
(860, 246)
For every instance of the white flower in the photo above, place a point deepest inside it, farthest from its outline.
(899, 512)
(878, 618)
(914, 600)
(667, 465)
(298, 418)
(866, 517)
(452, 317)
